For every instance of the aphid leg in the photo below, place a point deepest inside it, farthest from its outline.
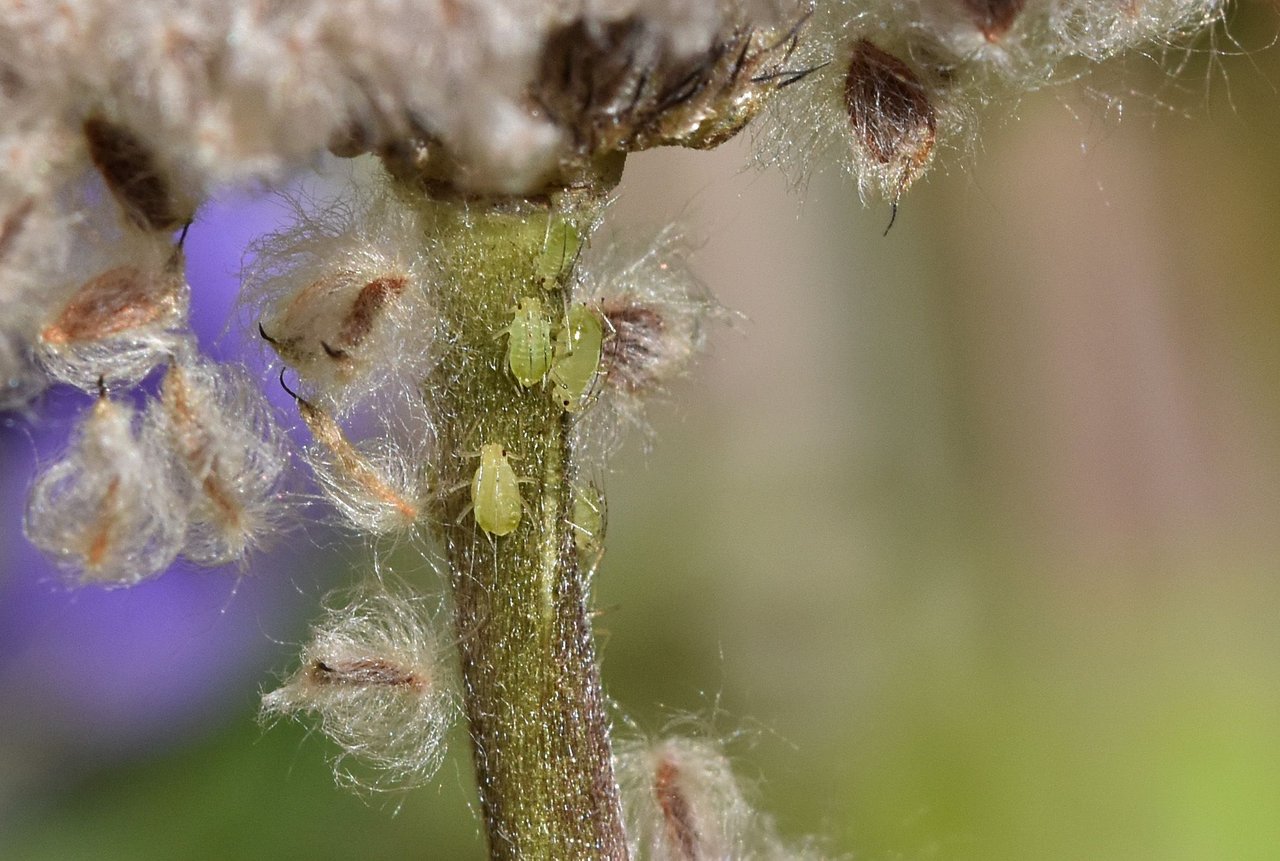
(466, 509)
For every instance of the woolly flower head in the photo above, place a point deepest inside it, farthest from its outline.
(226, 458)
(894, 80)
(377, 484)
(374, 677)
(682, 802)
(655, 315)
(343, 296)
(106, 511)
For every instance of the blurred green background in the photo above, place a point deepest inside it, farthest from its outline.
(968, 538)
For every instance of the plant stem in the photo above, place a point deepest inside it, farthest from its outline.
(532, 690)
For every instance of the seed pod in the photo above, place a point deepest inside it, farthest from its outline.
(121, 299)
(374, 676)
(894, 124)
(119, 324)
(683, 803)
(12, 223)
(134, 176)
(376, 492)
(227, 457)
(330, 320)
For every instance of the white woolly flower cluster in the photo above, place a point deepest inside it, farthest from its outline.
(226, 90)
(374, 676)
(656, 314)
(891, 79)
(343, 296)
(682, 802)
(196, 474)
(168, 99)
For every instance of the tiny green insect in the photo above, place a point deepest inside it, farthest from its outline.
(559, 251)
(588, 525)
(576, 362)
(495, 492)
(529, 343)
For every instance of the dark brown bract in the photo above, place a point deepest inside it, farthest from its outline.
(893, 121)
(133, 175)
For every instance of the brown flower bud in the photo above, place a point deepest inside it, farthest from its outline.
(893, 121)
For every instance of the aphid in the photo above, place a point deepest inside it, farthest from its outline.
(561, 248)
(588, 524)
(132, 174)
(577, 358)
(529, 343)
(495, 492)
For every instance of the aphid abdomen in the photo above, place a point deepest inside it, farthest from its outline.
(529, 343)
(495, 492)
(577, 358)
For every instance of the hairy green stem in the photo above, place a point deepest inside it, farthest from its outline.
(532, 690)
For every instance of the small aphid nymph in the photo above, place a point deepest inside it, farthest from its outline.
(559, 252)
(495, 492)
(529, 343)
(588, 525)
(577, 358)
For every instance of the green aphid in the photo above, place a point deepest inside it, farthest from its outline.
(529, 343)
(576, 363)
(495, 492)
(588, 525)
(559, 252)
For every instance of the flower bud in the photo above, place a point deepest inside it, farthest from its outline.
(105, 511)
(227, 457)
(374, 677)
